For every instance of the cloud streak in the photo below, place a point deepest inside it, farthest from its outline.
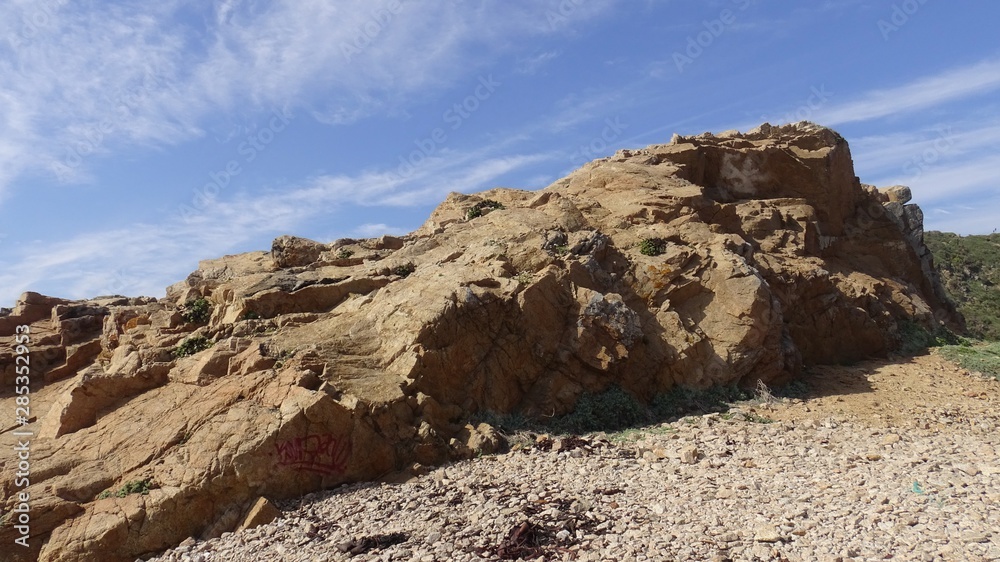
(949, 86)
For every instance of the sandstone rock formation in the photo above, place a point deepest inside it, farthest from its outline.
(711, 260)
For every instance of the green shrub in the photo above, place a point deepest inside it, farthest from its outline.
(141, 487)
(250, 315)
(344, 254)
(915, 339)
(404, 270)
(970, 270)
(652, 246)
(192, 345)
(612, 410)
(477, 209)
(197, 311)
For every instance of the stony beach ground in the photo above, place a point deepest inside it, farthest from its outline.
(878, 461)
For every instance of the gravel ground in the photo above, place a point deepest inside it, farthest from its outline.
(714, 487)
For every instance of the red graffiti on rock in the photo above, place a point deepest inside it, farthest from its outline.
(325, 454)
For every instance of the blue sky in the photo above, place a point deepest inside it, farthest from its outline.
(137, 138)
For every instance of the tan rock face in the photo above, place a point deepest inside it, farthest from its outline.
(711, 260)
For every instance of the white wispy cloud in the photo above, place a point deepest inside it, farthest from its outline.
(924, 146)
(532, 64)
(951, 85)
(93, 78)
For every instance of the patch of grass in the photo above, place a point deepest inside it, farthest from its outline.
(344, 254)
(141, 487)
(652, 246)
(635, 433)
(524, 277)
(196, 311)
(983, 357)
(561, 250)
(478, 209)
(192, 345)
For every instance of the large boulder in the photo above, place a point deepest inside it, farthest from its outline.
(712, 260)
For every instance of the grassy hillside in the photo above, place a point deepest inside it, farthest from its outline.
(970, 269)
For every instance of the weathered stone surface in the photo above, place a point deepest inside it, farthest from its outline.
(898, 194)
(260, 513)
(292, 251)
(711, 260)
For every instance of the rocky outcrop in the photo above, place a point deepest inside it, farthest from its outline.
(711, 260)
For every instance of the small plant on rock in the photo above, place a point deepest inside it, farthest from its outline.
(404, 270)
(484, 205)
(652, 246)
(192, 345)
(197, 311)
(141, 487)
(250, 315)
(344, 254)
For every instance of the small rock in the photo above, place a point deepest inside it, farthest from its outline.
(970, 469)
(689, 455)
(767, 533)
